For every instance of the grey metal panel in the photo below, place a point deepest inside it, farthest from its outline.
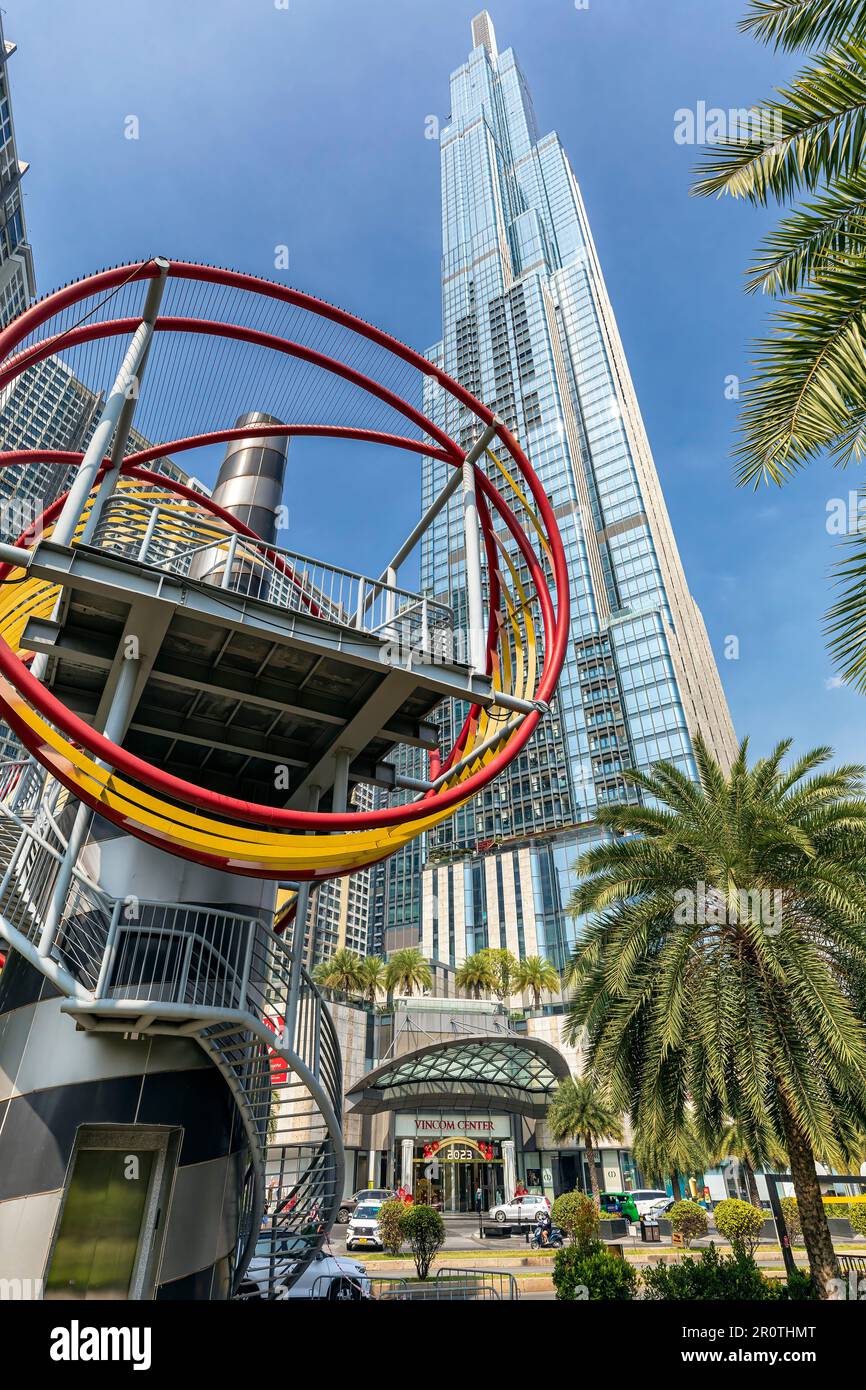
(56, 1055)
(26, 1228)
(14, 1028)
(202, 1220)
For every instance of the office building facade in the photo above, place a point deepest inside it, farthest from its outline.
(529, 328)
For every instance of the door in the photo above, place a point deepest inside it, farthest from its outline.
(108, 1236)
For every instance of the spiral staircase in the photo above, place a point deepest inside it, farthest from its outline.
(227, 988)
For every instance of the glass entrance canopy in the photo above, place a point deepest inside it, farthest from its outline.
(484, 1072)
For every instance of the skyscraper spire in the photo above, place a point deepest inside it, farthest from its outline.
(483, 33)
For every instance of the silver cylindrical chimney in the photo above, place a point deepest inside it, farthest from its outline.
(249, 485)
(251, 477)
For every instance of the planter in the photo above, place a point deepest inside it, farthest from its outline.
(666, 1229)
(840, 1227)
(615, 1229)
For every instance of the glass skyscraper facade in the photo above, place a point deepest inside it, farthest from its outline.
(529, 329)
(16, 262)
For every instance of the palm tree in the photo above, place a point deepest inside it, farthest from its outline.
(667, 1157)
(737, 1143)
(342, 971)
(724, 973)
(537, 975)
(408, 970)
(373, 971)
(580, 1110)
(808, 393)
(475, 975)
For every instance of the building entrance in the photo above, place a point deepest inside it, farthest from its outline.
(450, 1174)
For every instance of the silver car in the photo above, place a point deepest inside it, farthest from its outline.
(326, 1276)
(521, 1209)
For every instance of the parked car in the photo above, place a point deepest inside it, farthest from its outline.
(366, 1194)
(660, 1208)
(326, 1276)
(631, 1205)
(646, 1199)
(363, 1228)
(520, 1209)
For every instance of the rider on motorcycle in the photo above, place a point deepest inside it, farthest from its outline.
(543, 1227)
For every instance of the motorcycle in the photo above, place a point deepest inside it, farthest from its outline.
(555, 1238)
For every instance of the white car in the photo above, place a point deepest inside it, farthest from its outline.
(326, 1276)
(648, 1199)
(363, 1228)
(520, 1209)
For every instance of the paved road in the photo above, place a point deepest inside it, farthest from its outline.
(461, 1234)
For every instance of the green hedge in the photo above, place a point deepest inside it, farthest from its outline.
(710, 1276)
(739, 1222)
(590, 1272)
(689, 1220)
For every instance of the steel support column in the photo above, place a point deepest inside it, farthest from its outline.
(298, 936)
(115, 422)
(115, 727)
(477, 637)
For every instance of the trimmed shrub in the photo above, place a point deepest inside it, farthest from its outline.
(576, 1214)
(589, 1272)
(792, 1218)
(424, 1229)
(740, 1223)
(857, 1217)
(688, 1220)
(800, 1287)
(390, 1221)
(710, 1276)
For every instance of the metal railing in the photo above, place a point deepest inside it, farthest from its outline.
(185, 544)
(502, 1284)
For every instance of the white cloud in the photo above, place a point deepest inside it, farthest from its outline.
(834, 683)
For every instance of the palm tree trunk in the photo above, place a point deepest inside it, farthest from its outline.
(813, 1218)
(751, 1182)
(593, 1175)
(676, 1190)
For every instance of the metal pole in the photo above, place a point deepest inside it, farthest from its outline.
(298, 935)
(115, 726)
(150, 530)
(472, 546)
(361, 605)
(772, 1180)
(110, 954)
(426, 521)
(474, 582)
(439, 502)
(15, 555)
(340, 793)
(116, 416)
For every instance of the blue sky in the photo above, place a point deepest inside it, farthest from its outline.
(305, 126)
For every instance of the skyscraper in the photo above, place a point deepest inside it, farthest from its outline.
(16, 262)
(528, 327)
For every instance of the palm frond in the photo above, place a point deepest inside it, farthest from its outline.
(789, 24)
(794, 253)
(809, 378)
(813, 133)
(846, 619)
